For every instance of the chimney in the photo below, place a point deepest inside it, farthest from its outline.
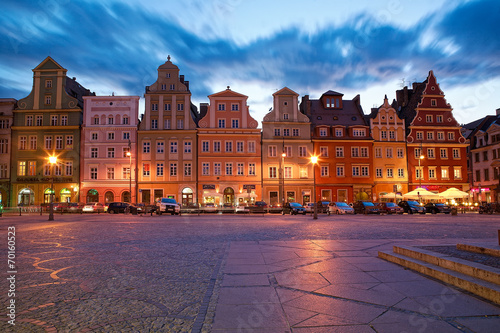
(498, 112)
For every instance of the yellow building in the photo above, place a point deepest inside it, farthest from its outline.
(389, 152)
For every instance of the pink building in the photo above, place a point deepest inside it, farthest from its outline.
(109, 132)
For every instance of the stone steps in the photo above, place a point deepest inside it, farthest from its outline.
(476, 278)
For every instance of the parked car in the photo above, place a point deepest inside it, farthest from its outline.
(227, 208)
(340, 208)
(75, 207)
(323, 206)
(411, 207)
(61, 206)
(210, 207)
(293, 208)
(309, 207)
(93, 207)
(167, 205)
(390, 208)
(242, 208)
(435, 208)
(365, 207)
(146, 208)
(122, 207)
(259, 207)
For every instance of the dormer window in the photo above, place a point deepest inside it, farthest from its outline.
(168, 75)
(358, 132)
(48, 83)
(172, 87)
(323, 132)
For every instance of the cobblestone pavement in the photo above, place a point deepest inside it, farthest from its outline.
(103, 273)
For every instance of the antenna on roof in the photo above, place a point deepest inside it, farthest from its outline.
(402, 84)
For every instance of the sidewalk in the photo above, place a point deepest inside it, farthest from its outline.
(340, 286)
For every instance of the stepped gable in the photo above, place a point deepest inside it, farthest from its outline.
(406, 102)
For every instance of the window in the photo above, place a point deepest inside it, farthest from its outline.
(355, 171)
(235, 123)
(221, 107)
(285, 116)
(94, 152)
(439, 119)
(154, 123)
(154, 106)
(428, 118)
(383, 135)
(48, 99)
(205, 169)
(451, 136)
(235, 107)
(418, 172)
(323, 151)
(166, 124)
(95, 120)
(456, 153)
(340, 171)
(444, 173)
(401, 173)
(93, 173)
(272, 151)
(229, 169)
(365, 171)
(430, 153)
(110, 173)
(418, 153)
(485, 155)
(272, 172)
(39, 121)
(430, 135)
(216, 146)
(59, 142)
(354, 151)
(145, 170)
(359, 132)
(69, 141)
(111, 136)
(378, 172)
(457, 172)
(173, 169)
(4, 147)
(240, 169)
(251, 146)
(187, 169)
(390, 172)
(48, 142)
(392, 135)
(4, 123)
(3, 171)
(21, 169)
(486, 174)
(325, 171)
(125, 120)
(64, 120)
(111, 120)
(222, 123)
(173, 147)
(277, 132)
(323, 132)
(187, 147)
(364, 151)
(400, 153)
(295, 132)
(303, 172)
(432, 173)
(378, 152)
(46, 169)
(288, 151)
(433, 102)
(53, 120)
(48, 84)
(33, 142)
(339, 151)
(229, 146)
(205, 146)
(251, 169)
(302, 151)
(32, 168)
(286, 132)
(180, 123)
(146, 147)
(217, 169)
(420, 135)
(94, 136)
(444, 153)
(125, 150)
(167, 107)
(440, 135)
(172, 86)
(338, 132)
(111, 152)
(239, 146)
(160, 147)
(29, 120)
(388, 152)
(163, 87)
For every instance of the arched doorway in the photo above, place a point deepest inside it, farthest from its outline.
(187, 196)
(26, 197)
(362, 196)
(65, 195)
(92, 196)
(228, 195)
(126, 196)
(109, 197)
(47, 194)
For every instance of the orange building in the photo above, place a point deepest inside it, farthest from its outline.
(229, 153)
(342, 142)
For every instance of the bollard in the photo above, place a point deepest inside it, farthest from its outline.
(19, 211)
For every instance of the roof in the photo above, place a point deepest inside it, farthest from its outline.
(350, 114)
(168, 65)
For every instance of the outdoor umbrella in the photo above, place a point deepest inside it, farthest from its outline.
(421, 193)
(391, 195)
(453, 193)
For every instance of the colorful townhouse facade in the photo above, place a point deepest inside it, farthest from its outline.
(436, 148)
(108, 134)
(286, 152)
(342, 141)
(47, 123)
(389, 152)
(7, 106)
(167, 145)
(229, 155)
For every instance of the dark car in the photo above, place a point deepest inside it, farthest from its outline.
(75, 207)
(435, 208)
(323, 206)
(259, 207)
(390, 208)
(293, 208)
(411, 207)
(365, 207)
(122, 207)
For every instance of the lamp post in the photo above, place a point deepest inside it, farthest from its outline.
(52, 161)
(283, 179)
(314, 160)
(421, 157)
(129, 154)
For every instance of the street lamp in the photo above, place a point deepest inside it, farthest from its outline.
(314, 160)
(283, 155)
(421, 157)
(52, 161)
(129, 154)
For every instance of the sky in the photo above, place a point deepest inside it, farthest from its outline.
(371, 48)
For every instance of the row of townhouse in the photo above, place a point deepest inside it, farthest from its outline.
(217, 153)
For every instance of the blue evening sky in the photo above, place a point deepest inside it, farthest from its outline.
(257, 47)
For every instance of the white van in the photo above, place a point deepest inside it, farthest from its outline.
(168, 205)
